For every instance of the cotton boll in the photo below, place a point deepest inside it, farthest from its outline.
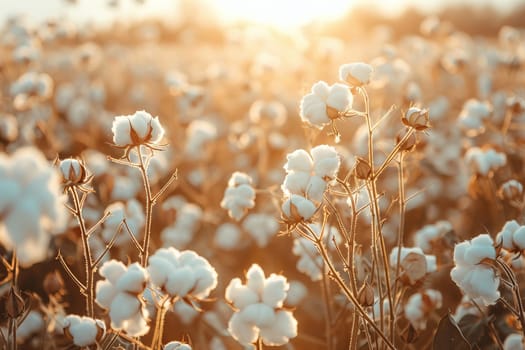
(185, 312)
(227, 236)
(505, 236)
(123, 307)
(315, 188)
(240, 295)
(326, 161)
(84, 331)
(296, 293)
(302, 208)
(255, 278)
(481, 247)
(299, 161)
(136, 129)
(241, 330)
(514, 341)
(33, 323)
(158, 269)
(315, 106)
(138, 325)
(258, 314)
(296, 182)
(112, 270)
(176, 345)
(275, 290)
(282, 329)
(261, 227)
(133, 279)
(355, 74)
(239, 196)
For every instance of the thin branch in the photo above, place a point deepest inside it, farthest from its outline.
(70, 273)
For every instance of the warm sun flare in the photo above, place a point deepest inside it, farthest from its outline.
(282, 13)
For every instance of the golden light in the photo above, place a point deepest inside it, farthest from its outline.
(281, 13)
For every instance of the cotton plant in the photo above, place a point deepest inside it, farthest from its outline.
(427, 236)
(31, 206)
(120, 293)
(420, 306)
(414, 264)
(307, 179)
(310, 261)
(187, 217)
(484, 161)
(259, 315)
(475, 278)
(228, 236)
(261, 227)
(325, 103)
(178, 276)
(84, 331)
(141, 133)
(239, 196)
(130, 211)
(473, 116)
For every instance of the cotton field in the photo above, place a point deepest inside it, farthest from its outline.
(349, 183)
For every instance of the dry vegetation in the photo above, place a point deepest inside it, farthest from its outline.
(381, 209)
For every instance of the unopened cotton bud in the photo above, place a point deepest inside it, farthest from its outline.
(362, 169)
(409, 144)
(416, 118)
(365, 296)
(53, 283)
(15, 303)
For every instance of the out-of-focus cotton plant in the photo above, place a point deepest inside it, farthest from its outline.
(31, 205)
(239, 196)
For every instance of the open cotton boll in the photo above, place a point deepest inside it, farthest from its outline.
(326, 161)
(133, 279)
(356, 74)
(482, 161)
(512, 236)
(275, 290)
(315, 188)
(136, 129)
(179, 273)
(420, 305)
(176, 345)
(31, 205)
(258, 314)
(514, 341)
(299, 160)
(121, 294)
(281, 330)
(315, 107)
(261, 227)
(84, 331)
(425, 236)
(33, 323)
(239, 294)
(242, 331)
(296, 182)
(239, 196)
(184, 312)
(296, 293)
(481, 247)
(258, 309)
(297, 208)
(227, 236)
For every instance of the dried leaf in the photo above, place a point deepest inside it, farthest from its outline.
(449, 336)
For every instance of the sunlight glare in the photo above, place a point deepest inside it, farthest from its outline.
(282, 13)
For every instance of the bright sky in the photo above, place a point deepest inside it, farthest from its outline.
(281, 13)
